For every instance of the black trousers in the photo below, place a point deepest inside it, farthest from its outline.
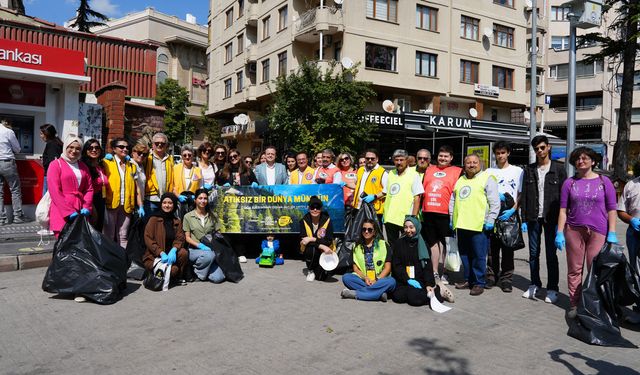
(312, 258)
(393, 232)
(499, 269)
(97, 217)
(412, 296)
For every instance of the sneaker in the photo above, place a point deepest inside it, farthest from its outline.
(384, 297)
(80, 299)
(476, 290)
(572, 313)
(21, 219)
(347, 293)
(531, 292)
(242, 259)
(182, 282)
(552, 296)
(311, 276)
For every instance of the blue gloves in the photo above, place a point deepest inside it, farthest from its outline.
(163, 257)
(171, 257)
(635, 223)
(612, 237)
(560, 241)
(267, 251)
(85, 212)
(203, 247)
(254, 184)
(342, 183)
(502, 197)
(108, 157)
(451, 225)
(369, 198)
(127, 158)
(182, 198)
(524, 227)
(141, 211)
(207, 186)
(226, 185)
(73, 216)
(488, 226)
(414, 283)
(507, 214)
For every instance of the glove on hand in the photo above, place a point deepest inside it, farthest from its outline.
(73, 216)
(524, 227)
(507, 214)
(369, 198)
(85, 212)
(163, 257)
(141, 211)
(560, 241)
(171, 257)
(254, 184)
(203, 247)
(414, 283)
(182, 198)
(488, 226)
(612, 237)
(635, 223)
(108, 157)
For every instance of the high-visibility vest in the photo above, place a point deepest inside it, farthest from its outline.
(379, 257)
(307, 177)
(327, 174)
(114, 186)
(471, 203)
(152, 181)
(373, 185)
(348, 177)
(179, 182)
(399, 199)
(438, 185)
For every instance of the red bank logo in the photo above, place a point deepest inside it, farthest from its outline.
(15, 55)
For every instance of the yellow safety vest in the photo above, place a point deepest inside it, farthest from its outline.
(399, 198)
(113, 187)
(152, 181)
(178, 179)
(379, 257)
(470, 199)
(307, 177)
(373, 185)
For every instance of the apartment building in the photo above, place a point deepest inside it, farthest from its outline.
(454, 59)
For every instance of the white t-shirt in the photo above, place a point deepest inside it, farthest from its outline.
(208, 175)
(187, 174)
(76, 171)
(509, 180)
(271, 175)
(542, 174)
(629, 201)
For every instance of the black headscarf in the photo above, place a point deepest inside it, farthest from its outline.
(167, 217)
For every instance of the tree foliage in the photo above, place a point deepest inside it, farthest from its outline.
(312, 111)
(175, 99)
(86, 18)
(18, 5)
(210, 126)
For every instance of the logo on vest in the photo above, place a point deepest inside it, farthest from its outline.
(308, 176)
(374, 179)
(322, 232)
(440, 174)
(465, 192)
(323, 175)
(395, 189)
(350, 175)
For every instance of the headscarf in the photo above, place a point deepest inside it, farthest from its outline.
(423, 252)
(67, 141)
(169, 232)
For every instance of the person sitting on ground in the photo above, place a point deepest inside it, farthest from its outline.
(316, 237)
(164, 239)
(371, 277)
(271, 249)
(197, 224)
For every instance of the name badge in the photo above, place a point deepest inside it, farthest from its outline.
(411, 272)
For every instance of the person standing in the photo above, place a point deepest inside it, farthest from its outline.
(587, 218)
(186, 175)
(52, 149)
(540, 207)
(370, 183)
(290, 161)
(92, 156)
(402, 195)
(629, 212)
(9, 147)
(303, 175)
(270, 172)
(220, 152)
(328, 173)
(348, 178)
(235, 173)
(438, 182)
(159, 172)
(509, 179)
(139, 153)
(474, 207)
(423, 157)
(205, 150)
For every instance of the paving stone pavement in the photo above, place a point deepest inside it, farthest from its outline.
(273, 322)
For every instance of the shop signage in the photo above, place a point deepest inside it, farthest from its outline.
(42, 58)
(385, 119)
(438, 121)
(486, 90)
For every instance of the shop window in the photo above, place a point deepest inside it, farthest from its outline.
(161, 77)
(380, 57)
(469, 27)
(227, 88)
(503, 77)
(426, 64)
(426, 18)
(282, 64)
(283, 14)
(469, 71)
(384, 10)
(503, 36)
(265, 28)
(265, 70)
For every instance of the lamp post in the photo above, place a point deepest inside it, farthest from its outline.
(534, 84)
(571, 100)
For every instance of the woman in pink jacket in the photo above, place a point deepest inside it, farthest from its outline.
(69, 184)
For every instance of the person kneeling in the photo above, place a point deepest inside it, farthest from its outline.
(316, 237)
(370, 280)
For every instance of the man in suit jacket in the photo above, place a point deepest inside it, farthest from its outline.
(270, 172)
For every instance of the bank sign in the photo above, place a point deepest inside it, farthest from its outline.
(23, 57)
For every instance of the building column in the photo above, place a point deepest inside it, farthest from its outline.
(480, 108)
(111, 97)
(70, 109)
(436, 105)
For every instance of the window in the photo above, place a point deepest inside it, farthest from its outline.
(636, 81)
(380, 57)
(426, 18)
(561, 71)
(503, 36)
(337, 51)
(265, 70)
(227, 88)
(228, 52)
(469, 27)
(559, 43)
(503, 77)
(282, 64)
(163, 59)
(635, 115)
(469, 71)
(265, 28)
(385, 10)
(239, 81)
(240, 8)
(240, 43)
(559, 13)
(426, 64)
(283, 14)
(162, 76)
(229, 19)
(506, 3)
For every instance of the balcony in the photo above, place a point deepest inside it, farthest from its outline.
(326, 19)
(251, 53)
(539, 60)
(587, 113)
(251, 14)
(249, 93)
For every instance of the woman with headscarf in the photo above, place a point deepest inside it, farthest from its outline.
(165, 238)
(412, 267)
(92, 155)
(69, 184)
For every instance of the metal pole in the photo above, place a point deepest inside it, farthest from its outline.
(571, 111)
(534, 83)
(321, 55)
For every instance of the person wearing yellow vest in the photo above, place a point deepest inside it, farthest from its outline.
(403, 189)
(474, 206)
(122, 192)
(186, 176)
(371, 277)
(316, 237)
(369, 184)
(159, 172)
(303, 175)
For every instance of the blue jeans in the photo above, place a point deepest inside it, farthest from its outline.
(535, 230)
(205, 266)
(366, 292)
(633, 241)
(472, 246)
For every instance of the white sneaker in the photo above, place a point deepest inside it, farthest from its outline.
(311, 276)
(552, 296)
(242, 259)
(80, 299)
(444, 279)
(531, 292)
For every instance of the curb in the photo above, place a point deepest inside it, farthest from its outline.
(26, 262)
(26, 259)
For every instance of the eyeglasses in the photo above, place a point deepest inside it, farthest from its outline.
(315, 208)
(248, 161)
(540, 148)
(369, 158)
(220, 152)
(233, 157)
(422, 158)
(208, 151)
(186, 155)
(345, 159)
(367, 230)
(94, 148)
(123, 147)
(160, 144)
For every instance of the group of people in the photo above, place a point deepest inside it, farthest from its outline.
(400, 252)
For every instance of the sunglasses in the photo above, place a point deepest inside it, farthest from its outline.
(345, 159)
(94, 148)
(248, 161)
(186, 155)
(422, 158)
(540, 148)
(123, 147)
(208, 151)
(369, 158)
(367, 230)
(160, 144)
(315, 207)
(233, 157)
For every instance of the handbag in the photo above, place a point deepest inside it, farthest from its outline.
(42, 210)
(159, 278)
(452, 261)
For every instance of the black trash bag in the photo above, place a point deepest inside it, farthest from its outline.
(509, 233)
(189, 205)
(86, 263)
(353, 225)
(136, 247)
(225, 256)
(611, 284)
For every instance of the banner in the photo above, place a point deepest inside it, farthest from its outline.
(274, 209)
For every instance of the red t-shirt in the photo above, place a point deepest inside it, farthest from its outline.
(438, 185)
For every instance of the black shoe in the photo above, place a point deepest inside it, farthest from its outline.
(506, 287)
(384, 297)
(490, 284)
(476, 290)
(464, 285)
(181, 282)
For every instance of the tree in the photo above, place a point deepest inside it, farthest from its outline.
(312, 111)
(175, 100)
(18, 5)
(210, 127)
(86, 18)
(620, 45)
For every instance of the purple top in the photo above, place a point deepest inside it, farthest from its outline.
(588, 202)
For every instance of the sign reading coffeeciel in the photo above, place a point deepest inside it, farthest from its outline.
(20, 57)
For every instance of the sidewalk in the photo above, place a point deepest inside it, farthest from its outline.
(21, 247)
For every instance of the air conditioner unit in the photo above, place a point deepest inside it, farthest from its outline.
(327, 41)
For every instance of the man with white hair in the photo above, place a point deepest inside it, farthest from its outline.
(159, 172)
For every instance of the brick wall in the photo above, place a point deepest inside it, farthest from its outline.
(112, 97)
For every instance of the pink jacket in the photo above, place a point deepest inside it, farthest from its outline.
(66, 196)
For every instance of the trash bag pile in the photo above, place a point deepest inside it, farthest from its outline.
(610, 285)
(87, 264)
(136, 247)
(353, 223)
(225, 256)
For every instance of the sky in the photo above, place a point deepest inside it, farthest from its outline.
(60, 11)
